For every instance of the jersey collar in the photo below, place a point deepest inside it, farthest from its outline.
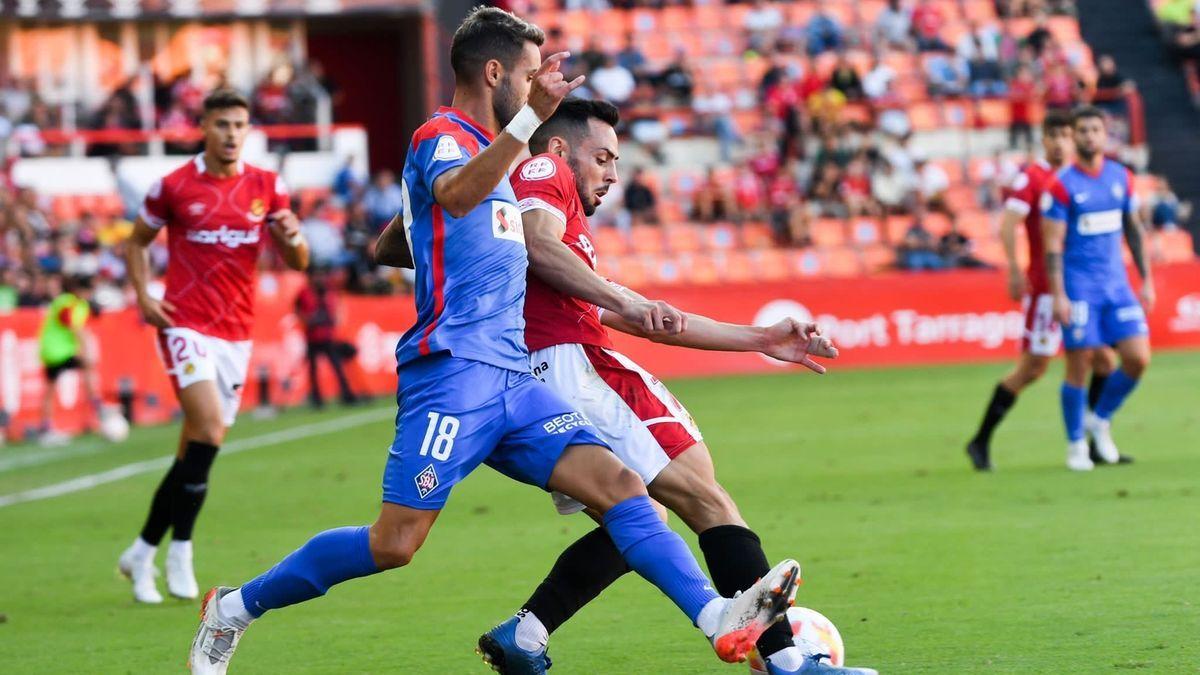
(201, 167)
(1088, 172)
(466, 119)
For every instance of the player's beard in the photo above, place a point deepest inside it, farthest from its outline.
(505, 104)
(589, 207)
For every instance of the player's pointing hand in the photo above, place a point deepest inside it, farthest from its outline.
(797, 342)
(550, 87)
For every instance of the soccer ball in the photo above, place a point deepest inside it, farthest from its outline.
(113, 426)
(814, 634)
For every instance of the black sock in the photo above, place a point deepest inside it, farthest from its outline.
(1002, 400)
(1095, 389)
(581, 573)
(735, 562)
(159, 518)
(191, 488)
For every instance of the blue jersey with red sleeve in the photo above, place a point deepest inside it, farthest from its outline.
(1093, 206)
(470, 271)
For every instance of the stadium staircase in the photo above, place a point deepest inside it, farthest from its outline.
(1127, 31)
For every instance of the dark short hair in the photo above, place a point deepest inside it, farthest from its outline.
(223, 99)
(490, 33)
(570, 121)
(1085, 111)
(1056, 119)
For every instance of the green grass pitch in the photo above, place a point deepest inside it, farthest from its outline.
(860, 475)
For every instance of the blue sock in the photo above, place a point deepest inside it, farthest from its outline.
(327, 559)
(1116, 390)
(658, 554)
(1074, 403)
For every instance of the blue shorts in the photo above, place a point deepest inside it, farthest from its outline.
(1103, 317)
(456, 413)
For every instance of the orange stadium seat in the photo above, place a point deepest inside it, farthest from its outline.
(983, 11)
(865, 231)
(577, 22)
(613, 22)
(878, 258)
(841, 262)
(683, 238)
(897, 227)
(769, 264)
(609, 266)
(828, 232)
(976, 224)
(720, 237)
(647, 239)
(632, 272)
(1065, 28)
(990, 251)
(937, 223)
(65, 208)
(609, 241)
(961, 197)
(675, 18)
(992, 113)
(643, 20)
(756, 235)
(924, 116)
(805, 263)
(799, 13)
(1174, 245)
(953, 169)
(702, 268)
(662, 269)
(737, 267)
(869, 11)
(710, 17)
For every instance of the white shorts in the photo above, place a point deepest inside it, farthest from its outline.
(646, 426)
(1042, 333)
(192, 357)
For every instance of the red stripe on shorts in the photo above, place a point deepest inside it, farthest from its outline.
(439, 277)
(673, 437)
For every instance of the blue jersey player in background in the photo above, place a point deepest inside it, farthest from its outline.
(465, 392)
(1086, 211)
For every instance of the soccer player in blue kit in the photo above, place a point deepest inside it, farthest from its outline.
(465, 392)
(1086, 209)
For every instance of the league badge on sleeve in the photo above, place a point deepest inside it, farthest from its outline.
(447, 149)
(538, 168)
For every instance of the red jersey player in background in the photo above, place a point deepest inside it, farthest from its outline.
(568, 310)
(214, 209)
(1042, 333)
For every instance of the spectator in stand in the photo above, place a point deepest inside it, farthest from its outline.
(978, 48)
(632, 59)
(788, 216)
(855, 189)
(994, 176)
(933, 187)
(1165, 211)
(824, 194)
(944, 75)
(347, 182)
(1060, 88)
(762, 23)
(640, 200)
(714, 199)
(877, 83)
(927, 24)
(892, 190)
(748, 192)
(918, 251)
(1040, 35)
(1111, 87)
(593, 56)
(893, 27)
(714, 115)
(956, 250)
(677, 79)
(1022, 92)
(325, 242)
(612, 82)
(844, 78)
(383, 200)
(825, 110)
(823, 32)
(317, 307)
(271, 102)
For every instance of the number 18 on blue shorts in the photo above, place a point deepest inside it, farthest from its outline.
(456, 413)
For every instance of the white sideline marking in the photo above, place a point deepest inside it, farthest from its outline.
(92, 480)
(36, 456)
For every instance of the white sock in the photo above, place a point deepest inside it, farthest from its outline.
(233, 609)
(180, 547)
(142, 550)
(531, 633)
(710, 617)
(788, 658)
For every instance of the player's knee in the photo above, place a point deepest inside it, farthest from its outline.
(1034, 370)
(211, 432)
(625, 483)
(1136, 364)
(391, 550)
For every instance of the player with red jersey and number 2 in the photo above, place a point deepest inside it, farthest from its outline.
(568, 310)
(214, 209)
(1042, 333)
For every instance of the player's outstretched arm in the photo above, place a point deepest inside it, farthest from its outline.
(554, 263)
(137, 268)
(1135, 237)
(391, 248)
(788, 340)
(461, 189)
(285, 229)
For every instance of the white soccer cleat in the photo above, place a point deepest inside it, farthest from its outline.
(752, 612)
(141, 571)
(216, 638)
(181, 578)
(1077, 456)
(1101, 432)
(52, 438)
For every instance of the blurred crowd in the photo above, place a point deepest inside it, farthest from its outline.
(288, 94)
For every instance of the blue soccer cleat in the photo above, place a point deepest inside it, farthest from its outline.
(499, 649)
(818, 664)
